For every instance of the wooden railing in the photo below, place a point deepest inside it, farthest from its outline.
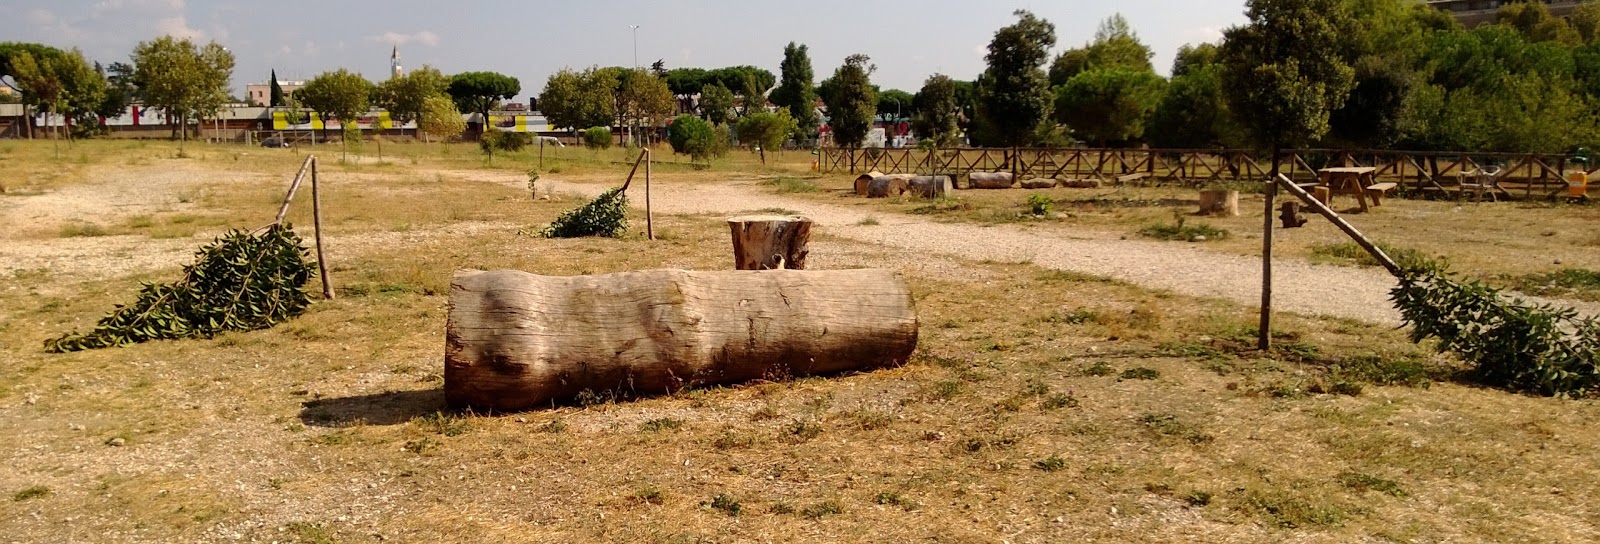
(1523, 174)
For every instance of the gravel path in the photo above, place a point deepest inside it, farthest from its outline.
(1300, 287)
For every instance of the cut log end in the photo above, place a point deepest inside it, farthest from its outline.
(769, 242)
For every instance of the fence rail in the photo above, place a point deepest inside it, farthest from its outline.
(1530, 175)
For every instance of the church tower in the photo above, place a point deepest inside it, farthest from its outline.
(394, 63)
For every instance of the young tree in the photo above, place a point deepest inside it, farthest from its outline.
(694, 137)
(754, 97)
(479, 92)
(851, 100)
(340, 94)
(183, 79)
(1013, 92)
(440, 118)
(1284, 75)
(796, 90)
(937, 113)
(1107, 105)
(766, 130)
(716, 104)
(597, 138)
(644, 100)
(579, 99)
(404, 96)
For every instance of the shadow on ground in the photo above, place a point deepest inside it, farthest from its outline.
(390, 408)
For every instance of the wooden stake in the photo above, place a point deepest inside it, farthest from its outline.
(1264, 342)
(649, 226)
(316, 222)
(283, 211)
(1348, 229)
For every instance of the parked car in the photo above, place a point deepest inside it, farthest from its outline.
(275, 141)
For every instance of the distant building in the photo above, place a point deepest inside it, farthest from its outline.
(395, 71)
(1472, 13)
(260, 94)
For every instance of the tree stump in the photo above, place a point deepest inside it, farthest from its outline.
(1038, 183)
(989, 180)
(517, 341)
(930, 187)
(769, 242)
(1322, 194)
(864, 179)
(887, 186)
(1219, 202)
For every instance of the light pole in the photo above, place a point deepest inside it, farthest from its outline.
(635, 45)
(894, 123)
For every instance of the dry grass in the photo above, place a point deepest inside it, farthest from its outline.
(1041, 406)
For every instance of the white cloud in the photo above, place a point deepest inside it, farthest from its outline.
(309, 49)
(424, 37)
(1204, 33)
(178, 27)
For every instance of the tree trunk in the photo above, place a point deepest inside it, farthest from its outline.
(1264, 341)
(516, 341)
(1038, 183)
(990, 180)
(865, 179)
(768, 242)
(1219, 202)
(887, 186)
(930, 187)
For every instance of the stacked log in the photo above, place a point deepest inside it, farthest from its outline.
(864, 179)
(1219, 202)
(989, 180)
(517, 341)
(930, 186)
(888, 185)
(1038, 183)
(1082, 183)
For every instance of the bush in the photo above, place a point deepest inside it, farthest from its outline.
(597, 138)
(495, 140)
(1039, 204)
(1184, 233)
(605, 216)
(694, 137)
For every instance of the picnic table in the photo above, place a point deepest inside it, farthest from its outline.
(1353, 180)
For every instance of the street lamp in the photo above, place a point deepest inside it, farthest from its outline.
(635, 45)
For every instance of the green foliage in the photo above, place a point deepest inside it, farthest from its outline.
(604, 216)
(852, 101)
(1192, 58)
(493, 140)
(30, 493)
(1539, 349)
(1182, 232)
(766, 130)
(241, 282)
(1013, 95)
(716, 104)
(1568, 282)
(644, 100)
(406, 96)
(276, 98)
(440, 118)
(693, 136)
(1140, 373)
(1040, 204)
(937, 114)
(185, 80)
(1353, 253)
(894, 102)
(479, 92)
(1108, 104)
(727, 504)
(797, 89)
(340, 94)
(579, 99)
(1194, 114)
(1283, 71)
(597, 138)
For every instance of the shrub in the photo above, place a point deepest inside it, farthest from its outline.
(1183, 232)
(1039, 204)
(692, 136)
(605, 216)
(597, 138)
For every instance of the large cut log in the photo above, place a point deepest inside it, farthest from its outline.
(1082, 183)
(864, 179)
(1219, 202)
(989, 180)
(516, 341)
(1038, 183)
(930, 186)
(887, 186)
(767, 242)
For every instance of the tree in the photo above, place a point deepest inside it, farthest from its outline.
(276, 98)
(716, 104)
(479, 92)
(644, 100)
(579, 99)
(597, 138)
(754, 96)
(1114, 46)
(694, 137)
(339, 94)
(1585, 20)
(41, 85)
(120, 92)
(937, 113)
(1192, 58)
(185, 80)
(1533, 20)
(9, 50)
(659, 68)
(797, 91)
(1013, 92)
(404, 96)
(1108, 105)
(766, 130)
(1069, 63)
(1284, 75)
(84, 91)
(1193, 112)
(851, 101)
(440, 118)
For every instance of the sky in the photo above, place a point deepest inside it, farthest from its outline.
(531, 39)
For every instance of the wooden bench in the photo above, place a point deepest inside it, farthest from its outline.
(1376, 190)
(1132, 178)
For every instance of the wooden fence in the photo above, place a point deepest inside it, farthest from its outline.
(1525, 175)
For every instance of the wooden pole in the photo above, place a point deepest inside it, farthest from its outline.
(283, 211)
(649, 225)
(316, 222)
(1333, 217)
(1264, 342)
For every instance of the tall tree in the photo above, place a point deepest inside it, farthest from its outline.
(1192, 58)
(1115, 45)
(1533, 20)
(1013, 92)
(440, 118)
(797, 89)
(851, 101)
(405, 96)
(579, 100)
(120, 91)
(766, 130)
(185, 80)
(1284, 75)
(937, 112)
(1193, 112)
(41, 84)
(479, 92)
(716, 104)
(1109, 105)
(276, 98)
(340, 94)
(644, 100)
(754, 96)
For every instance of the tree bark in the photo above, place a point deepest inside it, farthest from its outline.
(990, 180)
(1038, 183)
(887, 186)
(1219, 202)
(768, 242)
(930, 187)
(517, 341)
(1264, 341)
(865, 179)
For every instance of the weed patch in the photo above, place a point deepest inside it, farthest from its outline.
(1352, 253)
(1171, 425)
(1181, 231)
(31, 492)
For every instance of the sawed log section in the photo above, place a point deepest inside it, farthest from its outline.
(766, 242)
(517, 341)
